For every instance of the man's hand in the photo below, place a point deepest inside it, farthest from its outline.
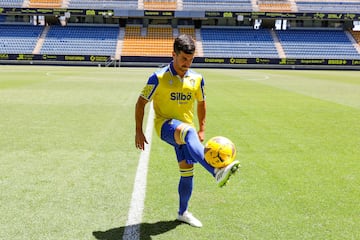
(201, 135)
(140, 141)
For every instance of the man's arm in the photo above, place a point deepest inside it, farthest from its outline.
(140, 138)
(201, 113)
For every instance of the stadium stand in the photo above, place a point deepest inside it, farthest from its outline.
(321, 44)
(12, 3)
(187, 30)
(153, 41)
(45, 3)
(331, 6)
(103, 4)
(19, 38)
(275, 6)
(86, 40)
(236, 42)
(215, 5)
(160, 5)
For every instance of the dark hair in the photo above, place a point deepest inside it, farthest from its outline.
(184, 43)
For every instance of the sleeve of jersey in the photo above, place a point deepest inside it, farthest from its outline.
(201, 93)
(150, 87)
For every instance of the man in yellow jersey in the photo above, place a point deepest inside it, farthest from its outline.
(174, 90)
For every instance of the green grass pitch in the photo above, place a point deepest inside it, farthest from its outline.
(68, 160)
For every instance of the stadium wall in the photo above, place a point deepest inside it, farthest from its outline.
(199, 62)
(271, 63)
(208, 62)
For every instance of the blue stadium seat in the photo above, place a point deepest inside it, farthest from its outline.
(86, 40)
(317, 44)
(235, 42)
(19, 38)
(12, 3)
(328, 6)
(216, 5)
(101, 4)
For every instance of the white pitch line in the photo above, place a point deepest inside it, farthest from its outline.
(132, 229)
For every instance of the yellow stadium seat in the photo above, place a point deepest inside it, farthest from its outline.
(45, 3)
(158, 41)
(275, 7)
(160, 5)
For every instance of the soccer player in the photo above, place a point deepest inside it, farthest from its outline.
(174, 91)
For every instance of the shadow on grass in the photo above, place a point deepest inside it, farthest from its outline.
(146, 231)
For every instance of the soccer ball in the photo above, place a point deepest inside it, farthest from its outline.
(219, 151)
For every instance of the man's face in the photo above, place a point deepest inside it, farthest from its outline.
(182, 62)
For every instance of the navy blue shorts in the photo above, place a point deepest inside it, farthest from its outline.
(167, 134)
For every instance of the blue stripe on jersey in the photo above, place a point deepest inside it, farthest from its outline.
(154, 82)
(202, 88)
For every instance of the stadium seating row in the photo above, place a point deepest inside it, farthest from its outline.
(278, 6)
(350, 6)
(308, 43)
(157, 41)
(12, 3)
(218, 42)
(153, 41)
(147, 42)
(215, 5)
(81, 40)
(160, 5)
(19, 38)
(45, 3)
(103, 4)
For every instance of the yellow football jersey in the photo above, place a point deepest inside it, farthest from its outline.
(173, 97)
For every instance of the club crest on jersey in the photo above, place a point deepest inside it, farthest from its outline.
(179, 96)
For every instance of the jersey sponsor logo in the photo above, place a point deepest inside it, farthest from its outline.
(179, 96)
